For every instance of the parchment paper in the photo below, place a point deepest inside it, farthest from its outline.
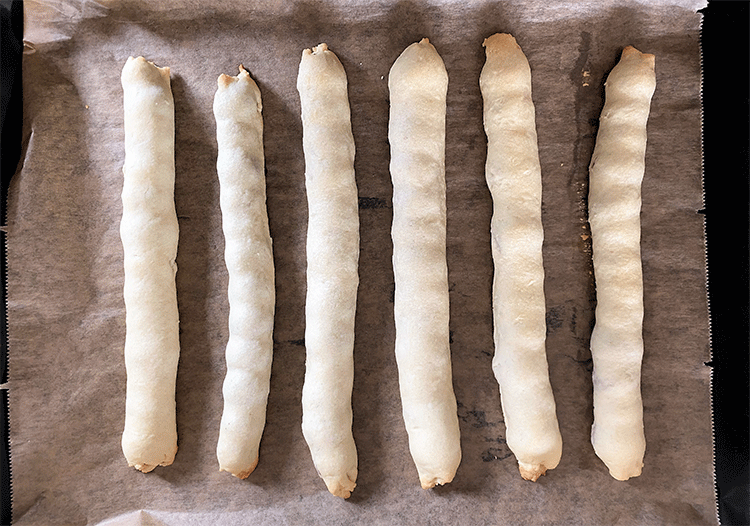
(66, 311)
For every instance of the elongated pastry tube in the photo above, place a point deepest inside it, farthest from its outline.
(248, 255)
(418, 84)
(615, 177)
(332, 268)
(515, 181)
(149, 233)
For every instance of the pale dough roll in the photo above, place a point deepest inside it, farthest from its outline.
(514, 178)
(149, 233)
(248, 255)
(332, 268)
(616, 173)
(418, 84)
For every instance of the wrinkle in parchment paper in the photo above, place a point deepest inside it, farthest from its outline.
(67, 315)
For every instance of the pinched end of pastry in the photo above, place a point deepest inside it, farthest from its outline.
(138, 69)
(631, 52)
(246, 473)
(500, 42)
(633, 76)
(506, 69)
(531, 472)
(340, 488)
(503, 47)
(147, 468)
(243, 87)
(317, 50)
(622, 474)
(429, 482)
(241, 474)
(621, 463)
(225, 80)
(320, 70)
(418, 67)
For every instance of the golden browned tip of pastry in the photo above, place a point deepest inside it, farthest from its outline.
(240, 474)
(244, 474)
(244, 72)
(631, 52)
(317, 50)
(506, 66)
(147, 468)
(531, 472)
(142, 68)
(338, 489)
(626, 473)
(225, 80)
(500, 42)
(430, 482)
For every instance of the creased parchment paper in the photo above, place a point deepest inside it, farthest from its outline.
(66, 310)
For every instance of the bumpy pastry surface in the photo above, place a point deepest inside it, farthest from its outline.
(149, 233)
(514, 178)
(248, 255)
(332, 268)
(418, 83)
(615, 177)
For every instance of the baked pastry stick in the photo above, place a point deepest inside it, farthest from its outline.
(418, 84)
(514, 178)
(149, 233)
(248, 255)
(332, 268)
(616, 172)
